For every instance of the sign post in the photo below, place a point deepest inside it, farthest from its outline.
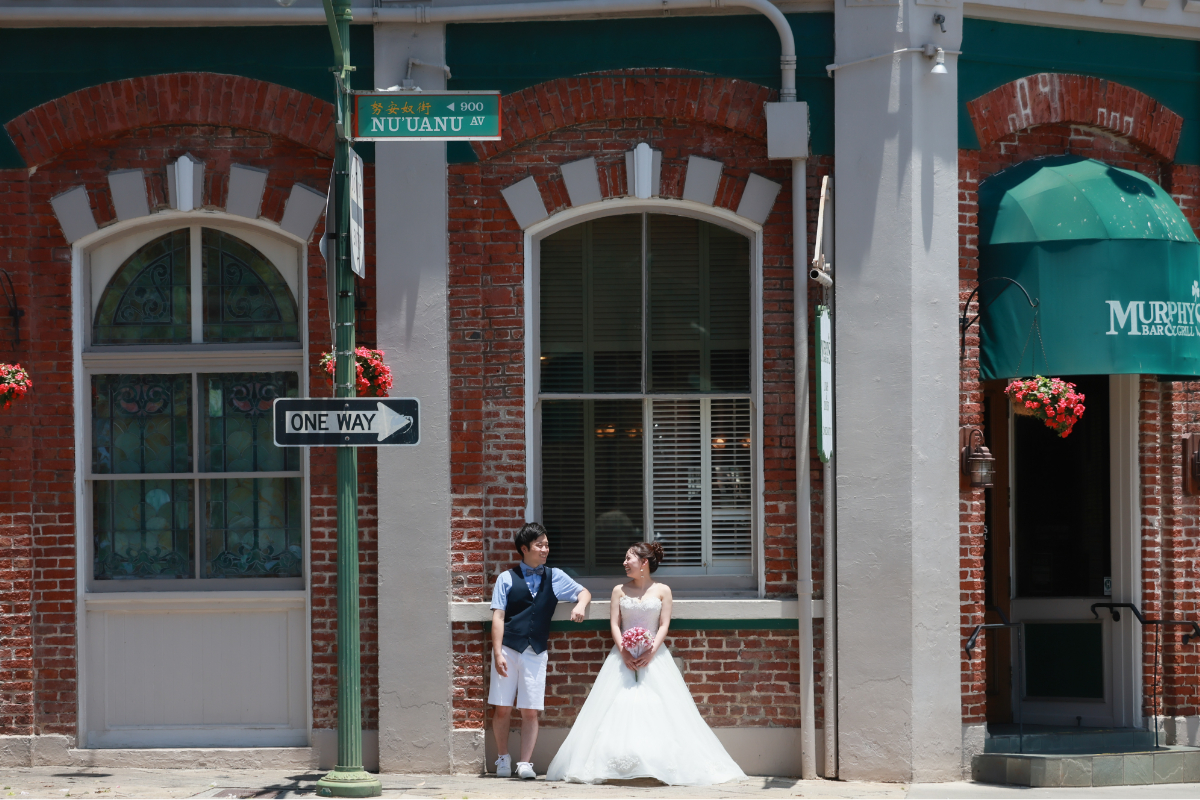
(345, 421)
(348, 778)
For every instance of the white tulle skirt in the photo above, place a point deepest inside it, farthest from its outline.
(643, 728)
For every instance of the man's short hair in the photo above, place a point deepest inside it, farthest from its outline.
(530, 532)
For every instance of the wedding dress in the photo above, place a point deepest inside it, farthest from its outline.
(643, 726)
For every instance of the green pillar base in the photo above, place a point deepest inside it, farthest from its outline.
(349, 782)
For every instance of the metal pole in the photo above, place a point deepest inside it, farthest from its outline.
(348, 778)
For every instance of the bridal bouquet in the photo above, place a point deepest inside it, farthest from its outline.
(636, 641)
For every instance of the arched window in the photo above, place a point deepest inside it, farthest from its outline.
(186, 482)
(644, 392)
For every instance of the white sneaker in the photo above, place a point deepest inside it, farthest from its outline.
(504, 767)
(525, 771)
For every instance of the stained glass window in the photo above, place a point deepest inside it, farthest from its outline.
(148, 300)
(245, 297)
(141, 423)
(142, 529)
(252, 528)
(238, 434)
(171, 500)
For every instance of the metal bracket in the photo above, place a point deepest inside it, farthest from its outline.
(964, 324)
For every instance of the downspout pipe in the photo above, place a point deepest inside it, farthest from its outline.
(564, 9)
(804, 583)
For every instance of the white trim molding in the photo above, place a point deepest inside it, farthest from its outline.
(708, 610)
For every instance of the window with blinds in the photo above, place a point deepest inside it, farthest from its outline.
(644, 393)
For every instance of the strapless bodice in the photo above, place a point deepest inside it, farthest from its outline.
(640, 612)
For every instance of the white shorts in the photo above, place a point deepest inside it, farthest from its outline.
(525, 682)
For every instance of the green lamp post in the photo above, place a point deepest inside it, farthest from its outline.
(348, 778)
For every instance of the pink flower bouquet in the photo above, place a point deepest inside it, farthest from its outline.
(636, 641)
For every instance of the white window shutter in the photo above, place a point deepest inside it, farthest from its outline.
(677, 477)
(731, 480)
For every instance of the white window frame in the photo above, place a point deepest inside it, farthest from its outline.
(230, 595)
(196, 357)
(683, 580)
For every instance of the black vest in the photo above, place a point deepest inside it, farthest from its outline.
(527, 618)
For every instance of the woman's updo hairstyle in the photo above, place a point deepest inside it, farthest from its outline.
(649, 551)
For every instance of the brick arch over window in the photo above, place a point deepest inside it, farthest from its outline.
(674, 94)
(1051, 97)
(183, 98)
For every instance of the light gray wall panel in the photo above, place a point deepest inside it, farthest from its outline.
(74, 213)
(655, 173)
(415, 659)
(128, 189)
(583, 185)
(896, 284)
(304, 207)
(700, 183)
(246, 186)
(525, 202)
(758, 198)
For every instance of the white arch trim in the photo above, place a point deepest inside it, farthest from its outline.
(530, 316)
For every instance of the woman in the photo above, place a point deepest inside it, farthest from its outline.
(640, 720)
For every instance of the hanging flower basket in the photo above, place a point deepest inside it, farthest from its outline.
(1052, 400)
(14, 383)
(374, 377)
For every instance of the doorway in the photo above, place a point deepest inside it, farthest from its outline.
(1060, 524)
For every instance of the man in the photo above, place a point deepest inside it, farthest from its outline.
(523, 604)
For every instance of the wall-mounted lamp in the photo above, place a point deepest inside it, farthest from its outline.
(939, 66)
(978, 463)
(1191, 463)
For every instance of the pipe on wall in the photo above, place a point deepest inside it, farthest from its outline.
(506, 12)
(804, 584)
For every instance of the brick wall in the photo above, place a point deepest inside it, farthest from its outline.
(738, 678)
(1047, 115)
(546, 126)
(77, 140)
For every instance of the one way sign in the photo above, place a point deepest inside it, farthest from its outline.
(356, 422)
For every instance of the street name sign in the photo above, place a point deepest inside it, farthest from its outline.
(426, 116)
(347, 421)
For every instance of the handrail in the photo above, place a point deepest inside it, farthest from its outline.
(1020, 629)
(1116, 615)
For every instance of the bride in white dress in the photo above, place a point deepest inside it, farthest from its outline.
(642, 725)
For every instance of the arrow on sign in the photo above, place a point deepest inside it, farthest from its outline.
(392, 422)
(451, 106)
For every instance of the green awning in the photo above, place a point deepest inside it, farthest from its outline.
(1111, 261)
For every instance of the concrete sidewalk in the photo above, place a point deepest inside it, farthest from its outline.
(60, 782)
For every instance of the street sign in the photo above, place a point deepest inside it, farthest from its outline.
(350, 421)
(426, 116)
(824, 384)
(357, 240)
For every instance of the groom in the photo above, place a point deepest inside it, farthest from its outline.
(522, 606)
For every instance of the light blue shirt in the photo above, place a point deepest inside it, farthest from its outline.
(560, 582)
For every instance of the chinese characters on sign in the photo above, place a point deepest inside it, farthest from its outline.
(427, 116)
